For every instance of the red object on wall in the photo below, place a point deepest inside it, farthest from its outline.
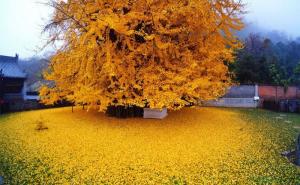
(278, 93)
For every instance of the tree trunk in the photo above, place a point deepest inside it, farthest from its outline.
(298, 151)
(124, 111)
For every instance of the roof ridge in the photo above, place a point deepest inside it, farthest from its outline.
(4, 58)
(11, 67)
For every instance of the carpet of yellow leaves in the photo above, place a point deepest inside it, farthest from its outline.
(191, 146)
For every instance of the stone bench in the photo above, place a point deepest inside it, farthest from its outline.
(155, 113)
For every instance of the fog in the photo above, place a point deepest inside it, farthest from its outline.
(21, 23)
(280, 15)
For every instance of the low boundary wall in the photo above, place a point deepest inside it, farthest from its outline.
(242, 96)
(233, 102)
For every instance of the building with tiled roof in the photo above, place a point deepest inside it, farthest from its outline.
(10, 68)
(12, 82)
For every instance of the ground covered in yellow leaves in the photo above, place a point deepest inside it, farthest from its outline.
(191, 146)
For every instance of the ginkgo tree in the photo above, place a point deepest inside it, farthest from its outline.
(146, 53)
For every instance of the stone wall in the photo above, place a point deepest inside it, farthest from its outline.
(233, 102)
(237, 96)
(242, 91)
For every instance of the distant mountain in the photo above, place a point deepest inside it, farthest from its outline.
(274, 35)
(34, 68)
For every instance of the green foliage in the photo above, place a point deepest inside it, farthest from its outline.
(296, 76)
(178, 181)
(278, 76)
(263, 62)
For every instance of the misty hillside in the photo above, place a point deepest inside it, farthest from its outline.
(274, 35)
(34, 68)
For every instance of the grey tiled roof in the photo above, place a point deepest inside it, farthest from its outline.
(10, 67)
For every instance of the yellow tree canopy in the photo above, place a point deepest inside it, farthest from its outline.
(155, 53)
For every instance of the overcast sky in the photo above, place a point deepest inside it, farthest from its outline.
(281, 15)
(21, 22)
(20, 26)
